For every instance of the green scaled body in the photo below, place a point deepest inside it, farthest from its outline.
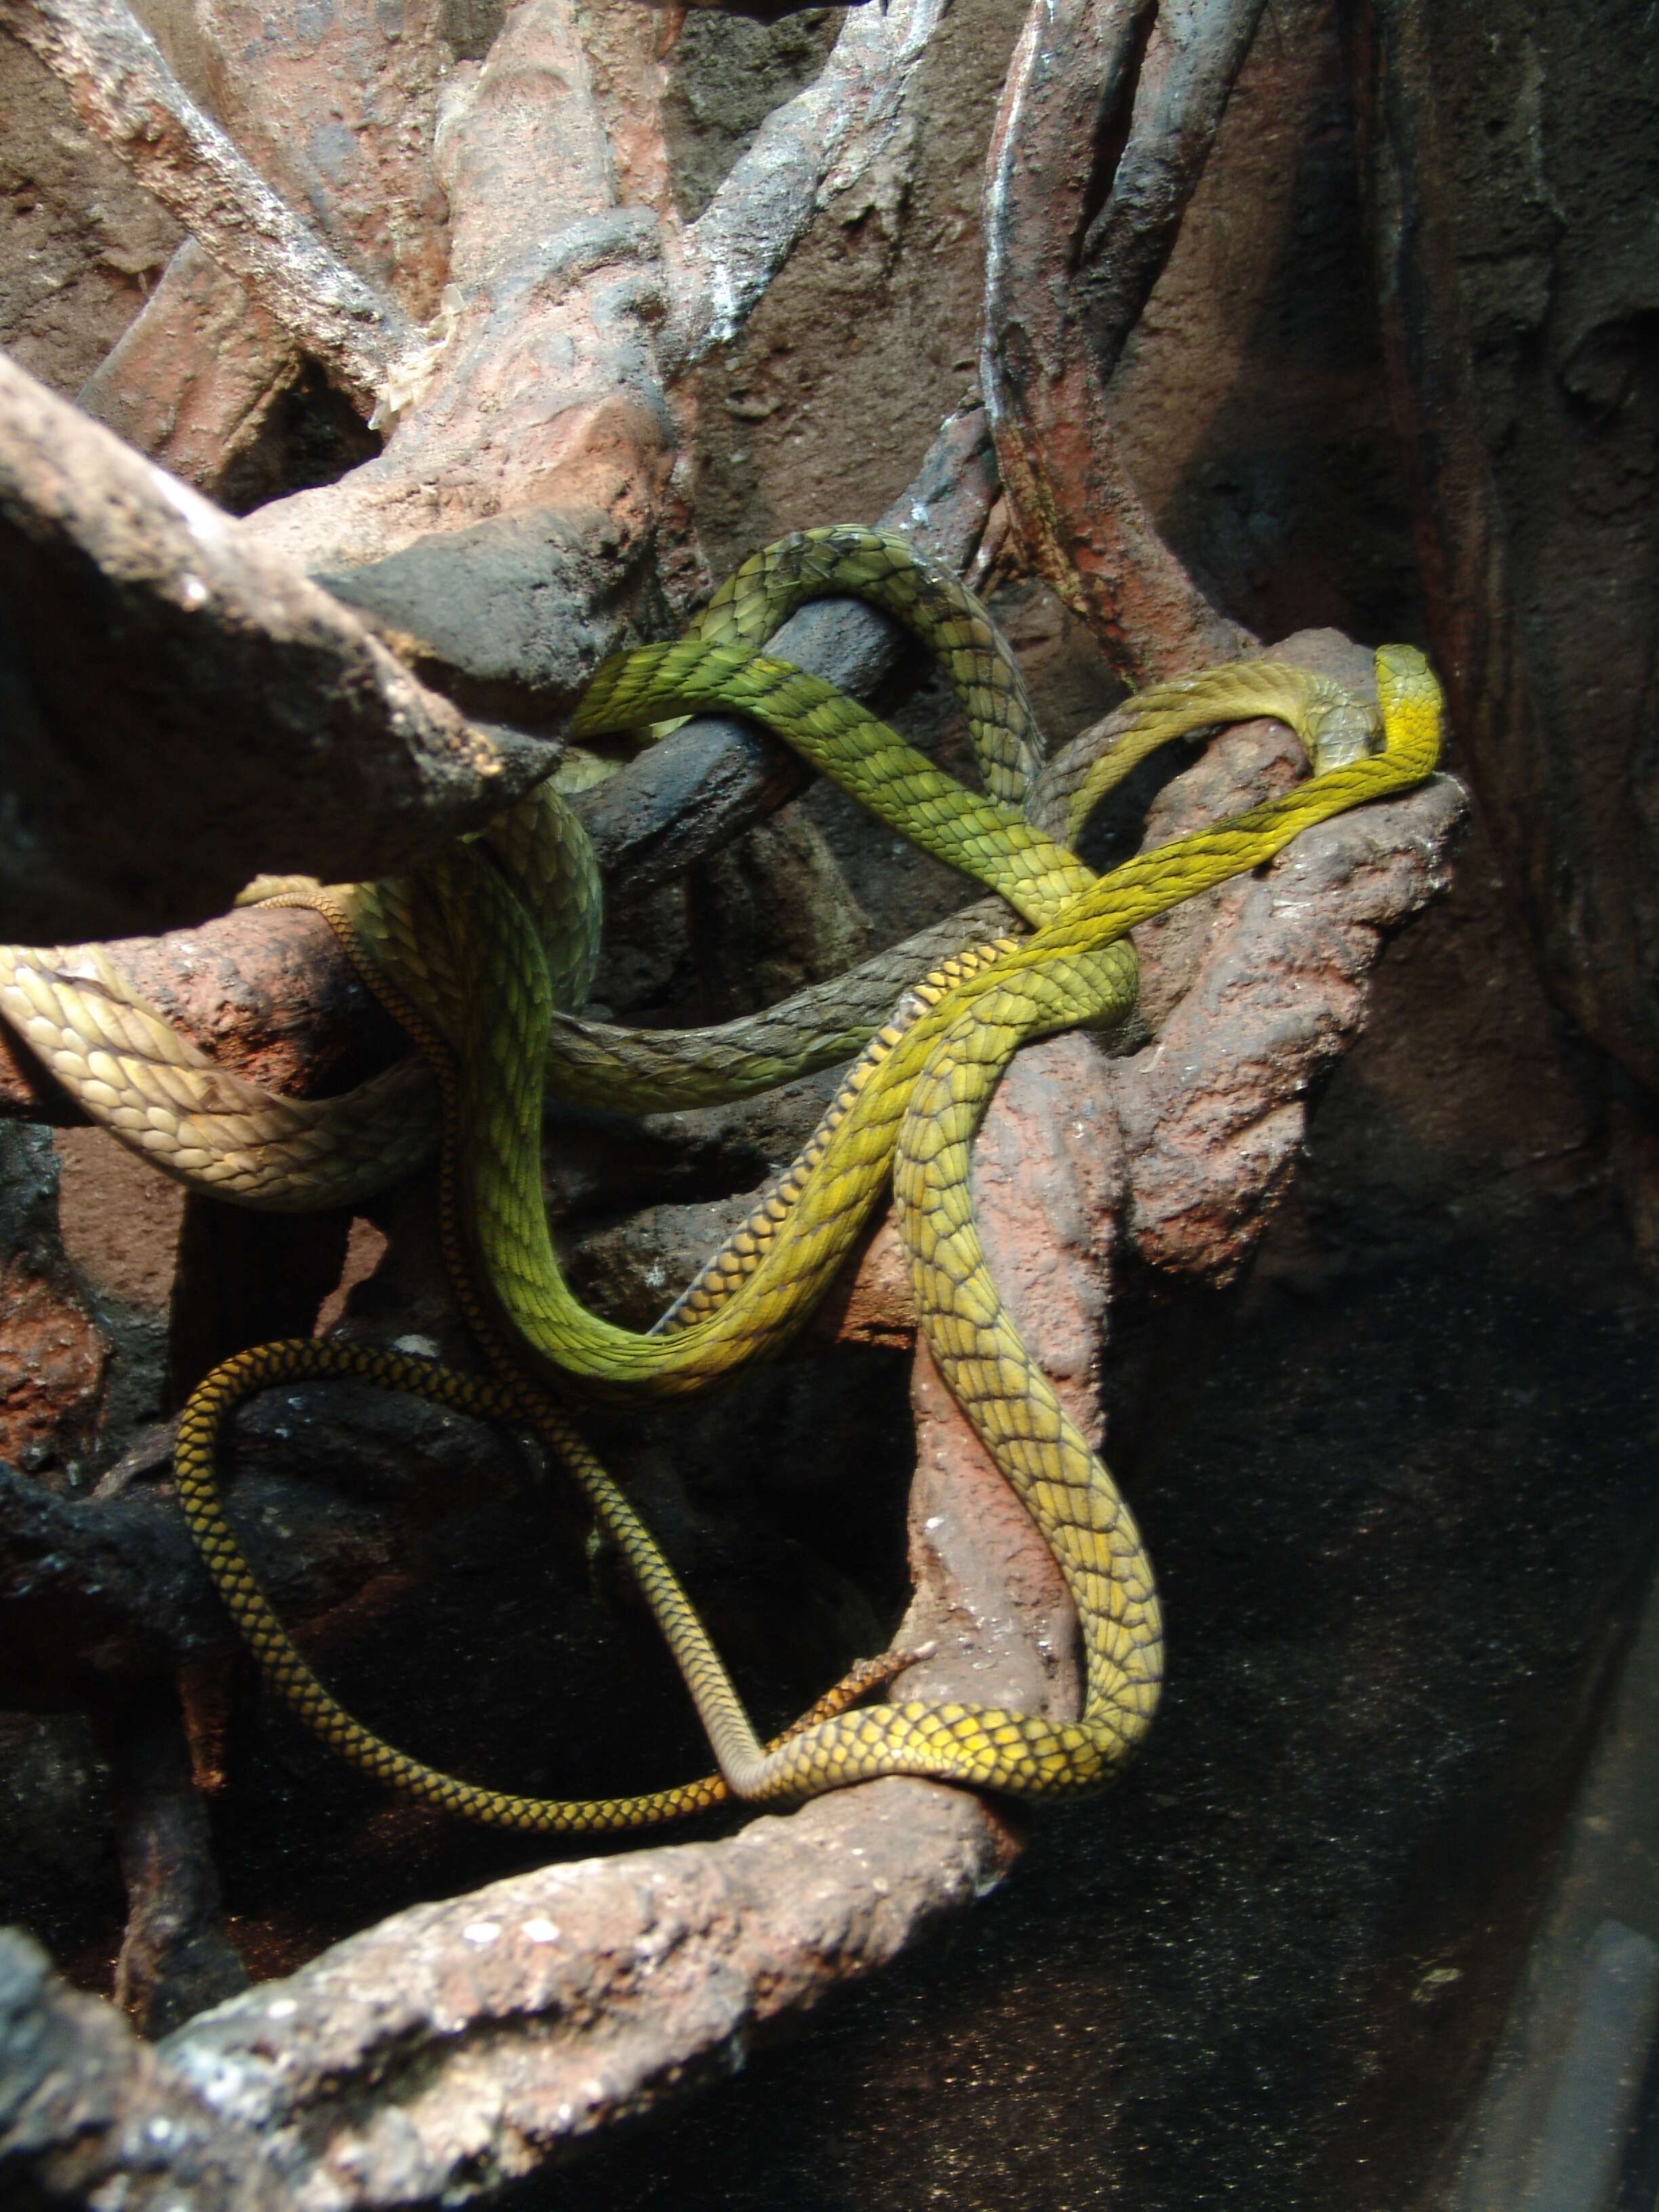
(485, 957)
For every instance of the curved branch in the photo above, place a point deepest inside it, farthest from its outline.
(1064, 285)
(1193, 51)
(126, 92)
(813, 148)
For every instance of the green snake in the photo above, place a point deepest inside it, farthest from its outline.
(484, 955)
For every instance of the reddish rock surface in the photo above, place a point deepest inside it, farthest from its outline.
(53, 1354)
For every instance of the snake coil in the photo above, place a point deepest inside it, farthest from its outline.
(483, 956)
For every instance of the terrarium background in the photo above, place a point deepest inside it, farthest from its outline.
(1400, 1483)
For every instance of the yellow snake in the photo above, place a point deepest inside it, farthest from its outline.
(474, 957)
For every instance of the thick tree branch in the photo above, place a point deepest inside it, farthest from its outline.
(517, 525)
(196, 372)
(718, 776)
(522, 519)
(337, 108)
(271, 994)
(126, 93)
(1077, 73)
(184, 708)
(1175, 91)
(76, 2085)
(338, 116)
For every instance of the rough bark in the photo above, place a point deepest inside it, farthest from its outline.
(1108, 115)
(530, 470)
(807, 154)
(126, 91)
(272, 994)
(248, 721)
(85, 2106)
(176, 1959)
(510, 531)
(195, 374)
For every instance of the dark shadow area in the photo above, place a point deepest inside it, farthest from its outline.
(1292, 507)
(312, 434)
(506, 1647)
(1398, 1523)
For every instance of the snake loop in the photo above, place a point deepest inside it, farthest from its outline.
(485, 956)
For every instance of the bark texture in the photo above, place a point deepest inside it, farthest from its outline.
(242, 712)
(1518, 290)
(1106, 120)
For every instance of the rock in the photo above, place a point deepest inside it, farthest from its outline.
(84, 2106)
(54, 1355)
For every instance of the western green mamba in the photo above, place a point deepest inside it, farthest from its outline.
(485, 957)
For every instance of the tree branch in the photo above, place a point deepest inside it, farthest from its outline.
(814, 148)
(195, 372)
(271, 994)
(249, 721)
(336, 113)
(1188, 53)
(1052, 333)
(126, 92)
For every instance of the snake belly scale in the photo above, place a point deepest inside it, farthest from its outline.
(475, 957)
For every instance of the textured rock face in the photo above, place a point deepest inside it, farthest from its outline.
(82, 242)
(1510, 160)
(55, 1353)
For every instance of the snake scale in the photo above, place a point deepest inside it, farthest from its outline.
(484, 957)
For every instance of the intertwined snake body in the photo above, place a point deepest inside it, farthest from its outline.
(479, 954)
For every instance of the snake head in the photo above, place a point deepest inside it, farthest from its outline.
(1413, 705)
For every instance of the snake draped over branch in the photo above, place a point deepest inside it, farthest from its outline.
(485, 956)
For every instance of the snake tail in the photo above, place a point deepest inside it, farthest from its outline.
(302, 1359)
